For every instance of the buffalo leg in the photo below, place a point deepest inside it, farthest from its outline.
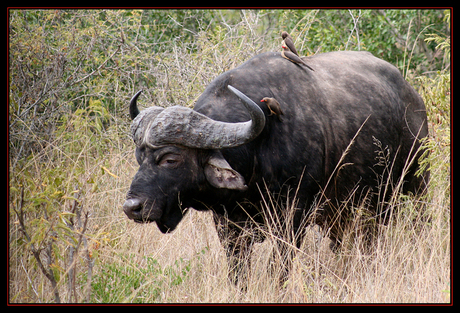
(238, 244)
(283, 254)
(288, 230)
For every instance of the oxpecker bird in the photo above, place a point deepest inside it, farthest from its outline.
(273, 106)
(287, 54)
(289, 42)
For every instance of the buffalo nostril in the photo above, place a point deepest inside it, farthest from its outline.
(132, 208)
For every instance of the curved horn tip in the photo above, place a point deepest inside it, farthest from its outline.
(245, 99)
(256, 113)
(239, 94)
(133, 109)
(233, 89)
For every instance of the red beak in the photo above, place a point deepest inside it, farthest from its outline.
(262, 100)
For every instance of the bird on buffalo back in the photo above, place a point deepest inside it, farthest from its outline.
(273, 106)
(289, 51)
(289, 42)
(287, 54)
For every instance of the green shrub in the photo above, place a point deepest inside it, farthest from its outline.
(129, 282)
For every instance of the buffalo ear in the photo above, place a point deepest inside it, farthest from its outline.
(221, 175)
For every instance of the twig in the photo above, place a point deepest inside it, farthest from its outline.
(393, 28)
(355, 28)
(30, 281)
(79, 227)
(39, 99)
(50, 275)
(89, 260)
(72, 252)
(36, 253)
(99, 67)
(306, 28)
(413, 48)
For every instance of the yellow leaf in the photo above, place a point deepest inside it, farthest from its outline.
(109, 172)
(69, 197)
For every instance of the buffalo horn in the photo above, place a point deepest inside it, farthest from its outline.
(184, 126)
(133, 110)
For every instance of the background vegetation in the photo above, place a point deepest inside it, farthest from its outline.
(71, 75)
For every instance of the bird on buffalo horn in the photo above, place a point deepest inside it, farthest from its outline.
(273, 106)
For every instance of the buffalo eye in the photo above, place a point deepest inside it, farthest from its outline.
(170, 160)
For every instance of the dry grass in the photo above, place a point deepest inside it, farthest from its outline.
(409, 262)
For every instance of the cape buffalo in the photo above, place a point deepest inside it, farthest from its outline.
(350, 132)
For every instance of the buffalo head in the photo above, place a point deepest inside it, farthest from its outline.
(178, 151)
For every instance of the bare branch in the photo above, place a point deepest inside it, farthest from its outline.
(99, 67)
(36, 253)
(355, 28)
